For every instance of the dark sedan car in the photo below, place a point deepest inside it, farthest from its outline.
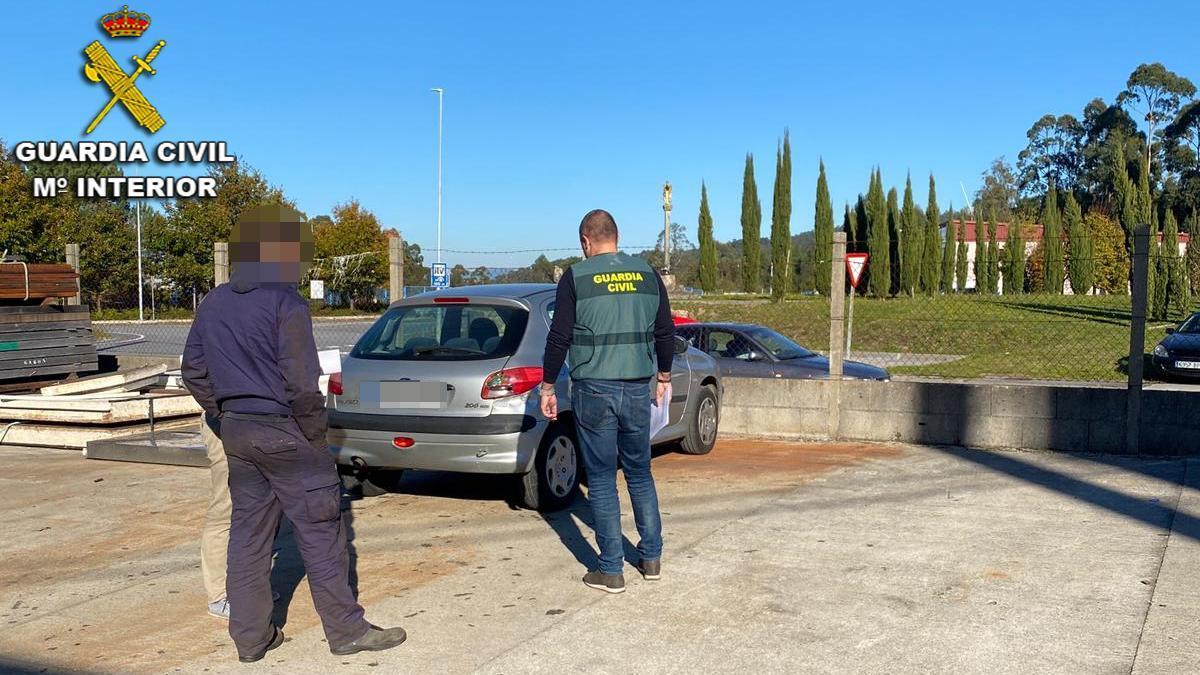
(1179, 353)
(748, 350)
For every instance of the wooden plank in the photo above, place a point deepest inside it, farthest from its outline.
(98, 382)
(103, 396)
(120, 412)
(77, 436)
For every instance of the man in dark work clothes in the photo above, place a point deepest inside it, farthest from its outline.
(251, 360)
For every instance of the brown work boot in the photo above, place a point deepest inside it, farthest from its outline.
(651, 569)
(376, 640)
(609, 583)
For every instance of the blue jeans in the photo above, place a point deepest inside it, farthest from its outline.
(612, 418)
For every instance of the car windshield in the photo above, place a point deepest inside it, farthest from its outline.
(780, 347)
(1192, 325)
(444, 332)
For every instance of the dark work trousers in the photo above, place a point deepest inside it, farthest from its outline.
(273, 469)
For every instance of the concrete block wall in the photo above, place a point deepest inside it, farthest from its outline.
(981, 415)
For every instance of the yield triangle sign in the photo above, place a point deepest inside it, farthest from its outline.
(855, 264)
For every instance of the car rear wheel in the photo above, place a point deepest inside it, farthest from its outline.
(702, 431)
(554, 481)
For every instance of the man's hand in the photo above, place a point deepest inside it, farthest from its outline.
(549, 402)
(664, 381)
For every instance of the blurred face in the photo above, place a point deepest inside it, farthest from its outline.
(271, 244)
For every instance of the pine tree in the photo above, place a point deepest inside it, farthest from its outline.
(708, 247)
(1052, 246)
(781, 215)
(949, 260)
(1081, 267)
(1014, 260)
(993, 255)
(751, 231)
(910, 239)
(879, 240)
(1175, 276)
(981, 252)
(823, 233)
(893, 220)
(931, 256)
(960, 258)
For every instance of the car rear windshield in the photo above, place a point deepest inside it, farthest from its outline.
(444, 332)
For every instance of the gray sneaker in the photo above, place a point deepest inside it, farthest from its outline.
(609, 583)
(376, 640)
(651, 569)
(219, 609)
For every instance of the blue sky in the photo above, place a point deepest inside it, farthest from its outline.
(553, 109)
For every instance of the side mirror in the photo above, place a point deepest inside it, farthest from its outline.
(754, 355)
(681, 346)
(1170, 331)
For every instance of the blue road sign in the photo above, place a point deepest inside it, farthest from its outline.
(439, 275)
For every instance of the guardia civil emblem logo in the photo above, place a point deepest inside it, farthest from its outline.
(122, 87)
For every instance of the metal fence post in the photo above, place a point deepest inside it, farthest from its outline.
(1137, 340)
(395, 268)
(72, 253)
(837, 329)
(220, 262)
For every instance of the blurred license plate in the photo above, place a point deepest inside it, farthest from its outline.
(1190, 365)
(422, 395)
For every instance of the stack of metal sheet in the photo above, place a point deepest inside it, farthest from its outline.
(46, 340)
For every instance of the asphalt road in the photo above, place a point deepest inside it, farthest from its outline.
(779, 558)
(168, 337)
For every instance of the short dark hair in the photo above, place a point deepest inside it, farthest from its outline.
(598, 225)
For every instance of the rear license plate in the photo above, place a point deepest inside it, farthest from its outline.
(1188, 365)
(417, 395)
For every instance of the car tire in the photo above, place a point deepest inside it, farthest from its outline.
(370, 482)
(702, 429)
(554, 481)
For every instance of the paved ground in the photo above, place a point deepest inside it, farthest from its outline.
(168, 337)
(780, 558)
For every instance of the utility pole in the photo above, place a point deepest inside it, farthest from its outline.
(141, 283)
(667, 228)
(440, 92)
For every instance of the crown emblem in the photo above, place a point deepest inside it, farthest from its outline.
(125, 23)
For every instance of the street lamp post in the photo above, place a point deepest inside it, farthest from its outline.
(667, 228)
(440, 92)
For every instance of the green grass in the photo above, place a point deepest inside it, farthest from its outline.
(1025, 336)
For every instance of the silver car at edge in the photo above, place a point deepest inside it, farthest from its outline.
(447, 381)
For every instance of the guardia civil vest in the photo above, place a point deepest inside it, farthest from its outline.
(616, 302)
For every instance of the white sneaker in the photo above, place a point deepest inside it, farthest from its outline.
(219, 609)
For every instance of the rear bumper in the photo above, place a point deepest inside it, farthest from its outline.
(497, 444)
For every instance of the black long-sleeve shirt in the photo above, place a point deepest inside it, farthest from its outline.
(251, 350)
(563, 326)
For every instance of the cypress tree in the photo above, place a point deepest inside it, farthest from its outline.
(912, 237)
(1156, 272)
(1176, 278)
(751, 230)
(993, 254)
(1052, 265)
(949, 260)
(862, 226)
(708, 247)
(1014, 260)
(1193, 254)
(781, 232)
(823, 233)
(1126, 207)
(960, 258)
(879, 240)
(931, 255)
(981, 252)
(848, 228)
(893, 220)
(1080, 264)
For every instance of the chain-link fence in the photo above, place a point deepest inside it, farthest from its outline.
(991, 315)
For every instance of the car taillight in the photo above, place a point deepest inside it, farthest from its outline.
(511, 382)
(335, 384)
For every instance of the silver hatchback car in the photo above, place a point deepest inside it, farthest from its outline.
(443, 381)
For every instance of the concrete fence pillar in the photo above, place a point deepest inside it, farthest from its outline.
(72, 255)
(1137, 339)
(395, 268)
(220, 262)
(837, 328)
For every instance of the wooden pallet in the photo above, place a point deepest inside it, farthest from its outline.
(76, 436)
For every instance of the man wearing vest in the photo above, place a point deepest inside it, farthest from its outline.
(612, 315)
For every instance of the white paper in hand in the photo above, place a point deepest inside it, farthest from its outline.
(659, 415)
